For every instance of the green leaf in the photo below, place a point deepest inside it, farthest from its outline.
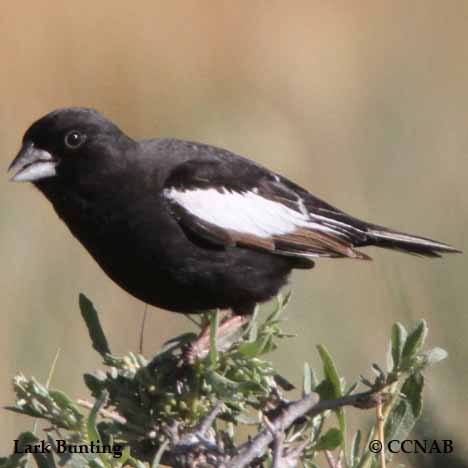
(281, 303)
(351, 388)
(95, 383)
(64, 401)
(355, 449)
(397, 341)
(214, 325)
(73, 415)
(434, 356)
(406, 411)
(307, 382)
(251, 330)
(325, 390)
(285, 384)
(255, 348)
(414, 343)
(179, 341)
(26, 438)
(227, 388)
(126, 455)
(135, 463)
(19, 460)
(330, 440)
(330, 372)
(333, 379)
(42, 461)
(91, 426)
(412, 389)
(157, 458)
(249, 419)
(95, 331)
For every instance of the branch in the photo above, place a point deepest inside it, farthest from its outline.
(256, 446)
(206, 421)
(332, 463)
(283, 457)
(307, 406)
(155, 406)
(198, 439)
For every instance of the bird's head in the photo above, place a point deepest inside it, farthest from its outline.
(72, 146)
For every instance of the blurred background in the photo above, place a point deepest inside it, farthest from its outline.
(364, 103)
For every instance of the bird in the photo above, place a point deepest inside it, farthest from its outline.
(187, 226)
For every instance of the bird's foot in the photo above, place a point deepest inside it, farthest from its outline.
(228, 331)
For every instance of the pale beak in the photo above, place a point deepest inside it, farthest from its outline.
(32, 164)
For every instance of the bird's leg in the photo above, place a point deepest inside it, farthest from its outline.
(227, 331)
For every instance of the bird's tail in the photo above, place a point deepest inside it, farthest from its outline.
(390, 239)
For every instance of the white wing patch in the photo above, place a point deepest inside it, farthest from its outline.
(245, 212)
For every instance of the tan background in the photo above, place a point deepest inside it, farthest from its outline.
(365, 103)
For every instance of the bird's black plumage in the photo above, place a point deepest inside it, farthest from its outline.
(187, 226)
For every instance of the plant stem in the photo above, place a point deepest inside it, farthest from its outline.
(380, 430)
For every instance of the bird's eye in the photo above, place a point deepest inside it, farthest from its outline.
(74, 139)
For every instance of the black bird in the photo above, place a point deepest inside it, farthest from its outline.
(187, 226)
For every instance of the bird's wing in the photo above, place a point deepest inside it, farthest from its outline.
(235, 202)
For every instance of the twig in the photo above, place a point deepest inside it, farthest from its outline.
(332, 463)
(278, 443)
(142, 329)
(159, 454)
(207, 421)
(214, 326)
(196, 322)
(197, 436)
(257, 444)
(389, 401)
(292, 454)
(48, 381)
(380, 431)
(52, 368)
(310, 406)
(283, 457)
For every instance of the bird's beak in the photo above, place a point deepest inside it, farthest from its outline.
(32, 164)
